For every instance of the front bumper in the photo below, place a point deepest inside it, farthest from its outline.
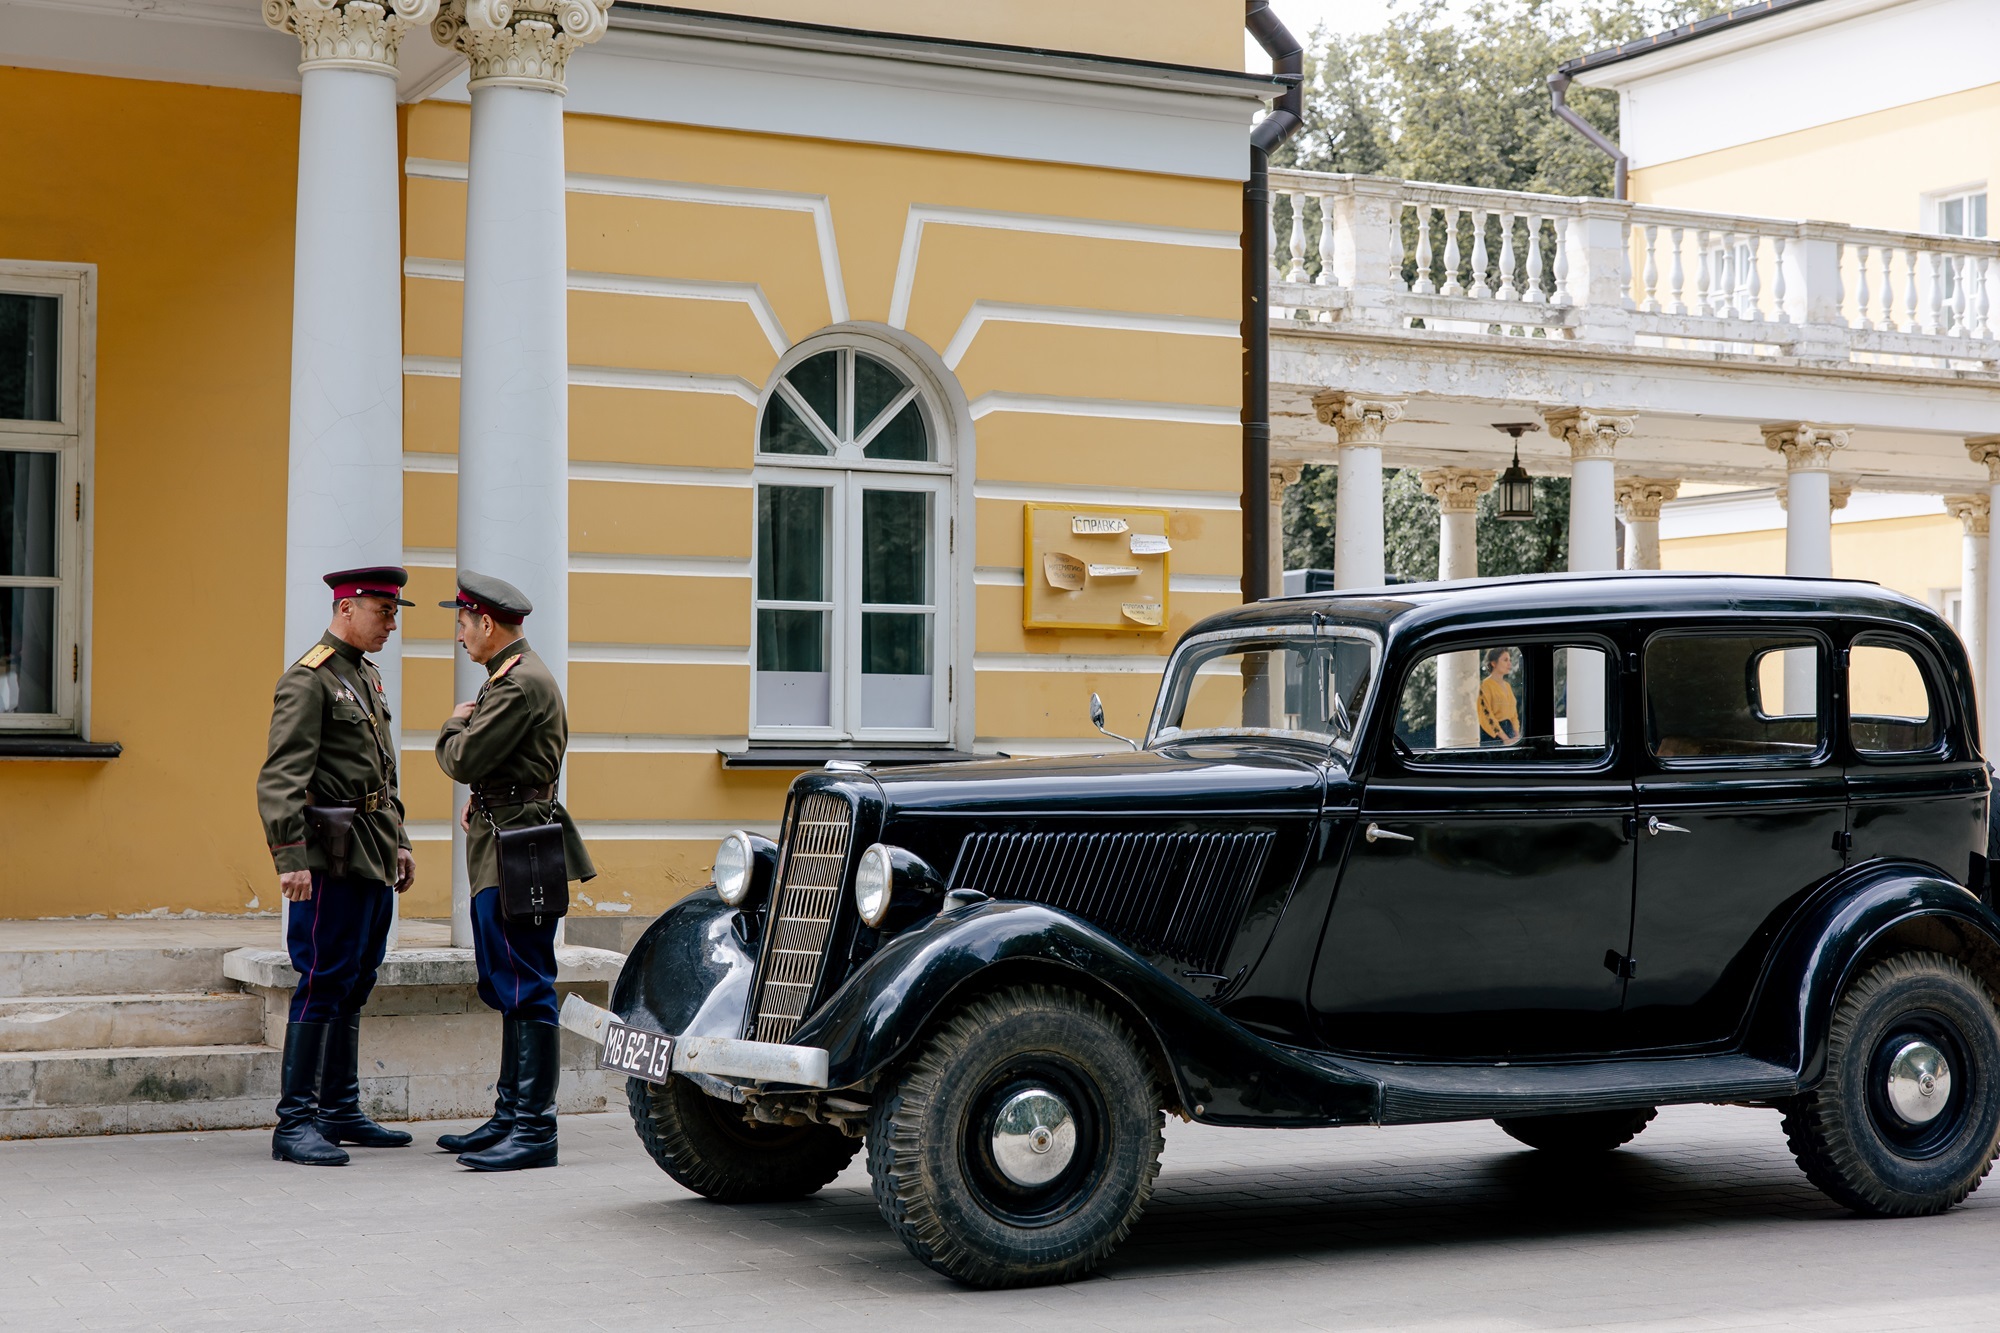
(716, 1057)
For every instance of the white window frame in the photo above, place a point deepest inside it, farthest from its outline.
(1934, 202)
(847, 472)
(70, 438)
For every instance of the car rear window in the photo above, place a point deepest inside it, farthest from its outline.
(1506, 702)
(1890, 707)
(1735, 698)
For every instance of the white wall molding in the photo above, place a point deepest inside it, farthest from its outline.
(617, 830)
(638, 474)
(983, 313)
(924, 215)
(1053, 493)
(1121, 409)
(1142, 664)
(628, 654)
(584, 562)
(611, 377)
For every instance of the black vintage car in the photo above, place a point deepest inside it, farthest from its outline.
(1554, 852)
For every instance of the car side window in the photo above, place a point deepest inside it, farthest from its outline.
(1505, 703)
(1890, 706)
(1734, 698)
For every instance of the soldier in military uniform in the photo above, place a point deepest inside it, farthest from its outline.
(508, 745)
(334, 820)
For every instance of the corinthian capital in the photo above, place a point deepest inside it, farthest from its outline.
(520, 43)
(349, 34)
(1640, 498)
(1588, 433)
(1974, 511)
(1985, 449)
(1806, 447)
(1457, 489)
(1357, 419)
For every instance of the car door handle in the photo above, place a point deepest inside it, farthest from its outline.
(1376, 833)
(1656, 826)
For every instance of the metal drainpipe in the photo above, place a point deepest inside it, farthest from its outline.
(1286, 115)
(1559, 102)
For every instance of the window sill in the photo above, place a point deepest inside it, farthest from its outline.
(57, 747)
(802, 757)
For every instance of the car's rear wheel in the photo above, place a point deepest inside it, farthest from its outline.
(1907, 1118)
(1021, 1144)
(707, 1146)
(1581, 1132)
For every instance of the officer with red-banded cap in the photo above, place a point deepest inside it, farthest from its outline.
(508, 745)
(334, 819)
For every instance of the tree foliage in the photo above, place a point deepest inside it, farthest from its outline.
(1410, 528)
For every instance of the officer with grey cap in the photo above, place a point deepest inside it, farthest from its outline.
(507, 745)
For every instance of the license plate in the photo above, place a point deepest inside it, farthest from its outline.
(643, 1055)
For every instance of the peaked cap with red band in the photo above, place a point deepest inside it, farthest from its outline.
(482, 594)
(385, 581)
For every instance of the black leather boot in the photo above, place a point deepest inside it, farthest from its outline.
(340, 1118)
(532, 1140)
(495, 1129)
(297, 1138)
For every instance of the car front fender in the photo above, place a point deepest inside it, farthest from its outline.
(689, 974)
(1221, 1072)
(1863, 915)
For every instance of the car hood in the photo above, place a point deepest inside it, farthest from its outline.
(1220, 778)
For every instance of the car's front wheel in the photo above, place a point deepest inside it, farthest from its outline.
(1021, 1144)
(707, 1146)
(1579, 1133)
(1907, 1118)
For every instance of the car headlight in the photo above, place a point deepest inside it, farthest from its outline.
(743, 865)
(874, 882)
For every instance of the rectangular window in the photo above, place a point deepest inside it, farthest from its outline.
(1735, 698)
(1960, 214)
(849, 624)
(1890, 710)
(1507, 702)
(41, 503)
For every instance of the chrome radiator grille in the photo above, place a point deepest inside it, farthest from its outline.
(803, 905)
(1177, 894)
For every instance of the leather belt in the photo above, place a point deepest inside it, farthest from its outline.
(493, 796)
(367, 805)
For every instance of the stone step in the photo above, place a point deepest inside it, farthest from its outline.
(74, 1022)
(134, 1089)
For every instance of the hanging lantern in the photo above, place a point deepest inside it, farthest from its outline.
(1514, 493)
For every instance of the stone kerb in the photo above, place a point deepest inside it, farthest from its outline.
(429, 1046)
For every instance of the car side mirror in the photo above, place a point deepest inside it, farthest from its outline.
(1097, 720)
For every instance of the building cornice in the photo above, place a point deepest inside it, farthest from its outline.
(1711, 39)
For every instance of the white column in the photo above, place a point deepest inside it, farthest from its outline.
(1639, 501)
(1975, 512)
(1986, 449)
(1282, 475)
(1357, 523)
(513, 431)
(1592, 438)
(1457, 491)
(344, 470)
(1808, 493)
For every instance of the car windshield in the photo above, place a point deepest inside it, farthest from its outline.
(1297, 684)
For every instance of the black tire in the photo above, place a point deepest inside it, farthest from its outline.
(706, 1145)
(1580, 1133)
(931, 1140)
(1849, 1137)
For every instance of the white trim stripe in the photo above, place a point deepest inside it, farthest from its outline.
(631, 284)
(922, 215)
(610, 377)
(1052, 493)
(724, 196)
(647, 654)
(1120, 409)
(609, 743)
(988, 312)
(617, 830)
(1146, 664)
(584, 562)
(639, 474)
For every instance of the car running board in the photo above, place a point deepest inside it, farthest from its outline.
(1423, 1093)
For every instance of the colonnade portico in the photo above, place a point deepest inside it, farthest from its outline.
(1639, 501)
(345, 478)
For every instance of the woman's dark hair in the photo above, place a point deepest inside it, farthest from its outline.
(1493, 656)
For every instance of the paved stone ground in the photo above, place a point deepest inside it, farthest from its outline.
(1703, 1223)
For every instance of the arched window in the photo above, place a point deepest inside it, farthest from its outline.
(853, 527)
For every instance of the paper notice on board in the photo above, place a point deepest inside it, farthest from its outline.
(1142, 613)
(1087, 525)
(1114, 571)
(1150, 543)
(1063, 571)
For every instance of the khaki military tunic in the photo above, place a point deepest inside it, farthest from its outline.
(515, 737)
(330, 736)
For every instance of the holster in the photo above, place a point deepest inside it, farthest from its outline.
(534, 876)
(332, 827)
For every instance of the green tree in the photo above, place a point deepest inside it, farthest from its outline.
(1539, 545)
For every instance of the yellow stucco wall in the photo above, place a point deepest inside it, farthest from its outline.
(1919, 556)
(1181, 32)
(1871, 170)
(183, 197)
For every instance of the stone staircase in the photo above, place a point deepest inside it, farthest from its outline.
(128, 1027)
(110, 1027)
